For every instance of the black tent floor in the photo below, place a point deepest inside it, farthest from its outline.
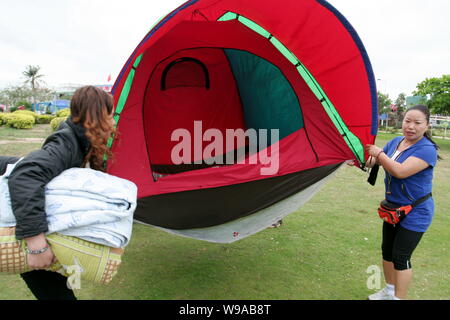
(215, 206)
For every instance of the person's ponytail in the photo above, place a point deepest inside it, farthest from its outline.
(92, 108)
(427, 135)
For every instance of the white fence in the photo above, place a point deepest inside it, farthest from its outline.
(440, 125)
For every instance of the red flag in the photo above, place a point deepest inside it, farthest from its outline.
(109, 78)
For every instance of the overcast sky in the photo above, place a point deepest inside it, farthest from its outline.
(83, 41)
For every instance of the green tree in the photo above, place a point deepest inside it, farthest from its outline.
(12, 95)
(400, 102)
(15, 96)
(25, 104)
(34, 78)
(439, 91)
(397, 113)
(383, 102)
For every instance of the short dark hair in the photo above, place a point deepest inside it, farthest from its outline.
(424, 109)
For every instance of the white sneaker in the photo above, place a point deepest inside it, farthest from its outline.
(383, 294)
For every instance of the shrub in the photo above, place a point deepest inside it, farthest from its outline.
(3, 117)
(19, 121)
(54, 124)
(392, 130)
(63, 113)
(44, 118)
(28, 112)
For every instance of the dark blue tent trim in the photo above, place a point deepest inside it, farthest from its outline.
(362, 49)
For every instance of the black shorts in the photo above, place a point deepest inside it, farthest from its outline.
(398, 245)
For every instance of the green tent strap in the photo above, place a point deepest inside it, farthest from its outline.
(123, 99)
(352, 141)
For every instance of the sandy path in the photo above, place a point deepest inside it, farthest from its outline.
(23, 140)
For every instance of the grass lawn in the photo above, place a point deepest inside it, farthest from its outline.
(322, 251)
(14, 142)
(39, 131)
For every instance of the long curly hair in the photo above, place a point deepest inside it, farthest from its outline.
(93, 108)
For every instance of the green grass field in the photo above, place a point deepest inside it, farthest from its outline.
(322, 251)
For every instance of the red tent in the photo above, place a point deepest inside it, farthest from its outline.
(294, 67)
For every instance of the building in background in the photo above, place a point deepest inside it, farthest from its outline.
(61, 98)
(50, 106)
(413, 100)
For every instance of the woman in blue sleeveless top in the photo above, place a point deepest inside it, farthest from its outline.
(408, 162)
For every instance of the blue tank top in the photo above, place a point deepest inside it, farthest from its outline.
(406, 191)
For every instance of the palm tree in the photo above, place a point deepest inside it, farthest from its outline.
(33, 77)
